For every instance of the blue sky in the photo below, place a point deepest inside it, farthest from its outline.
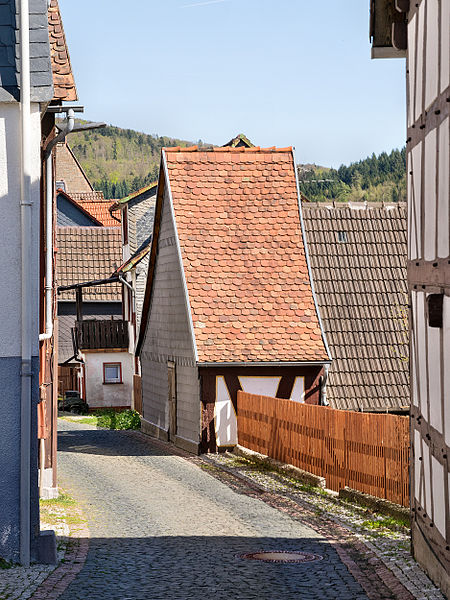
(284, 72)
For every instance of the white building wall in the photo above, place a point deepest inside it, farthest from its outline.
(106, 395)
(10, 328)
(10, 238)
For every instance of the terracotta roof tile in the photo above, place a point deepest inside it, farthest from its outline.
(362, 295)
(95, 204)
(63, 81)
(86, 254)
(237, 218)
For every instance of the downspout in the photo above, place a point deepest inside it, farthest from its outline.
(67, 128)
(26, 291)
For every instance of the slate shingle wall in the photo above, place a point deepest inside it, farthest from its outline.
(141, 280)
(40, 64)
(168, 338)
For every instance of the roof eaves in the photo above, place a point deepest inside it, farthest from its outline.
(63, 80)
(268, 363)
(135, 259)
(180, 257)
(133, 195)
(308, 262)
(152, 262)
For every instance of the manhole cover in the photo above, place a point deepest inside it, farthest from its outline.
(281, 556)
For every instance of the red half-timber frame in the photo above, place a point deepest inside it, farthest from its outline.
(311, 375)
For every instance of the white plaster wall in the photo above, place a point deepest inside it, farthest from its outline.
(10, 228)
(99, 394)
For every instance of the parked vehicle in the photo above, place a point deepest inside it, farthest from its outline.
(72, 402)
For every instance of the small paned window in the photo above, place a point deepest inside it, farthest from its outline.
(60, 185)
(112, 372)
(342, 236)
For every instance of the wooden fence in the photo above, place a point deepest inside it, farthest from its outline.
(365, 451)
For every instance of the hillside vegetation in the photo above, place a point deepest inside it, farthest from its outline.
(121, 161)
(374, 179)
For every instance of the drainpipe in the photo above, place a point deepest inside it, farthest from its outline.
(26, 291)
(67, 128)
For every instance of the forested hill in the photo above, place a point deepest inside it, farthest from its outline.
(374, 179)
(120, 161)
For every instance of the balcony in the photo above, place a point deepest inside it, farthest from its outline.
(101, 334)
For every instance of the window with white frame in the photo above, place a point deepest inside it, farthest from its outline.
(112, 372)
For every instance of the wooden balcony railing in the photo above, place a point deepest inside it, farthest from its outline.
(99, 334)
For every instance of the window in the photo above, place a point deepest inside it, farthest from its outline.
(342, 236)
(60, 185)
(112, 372)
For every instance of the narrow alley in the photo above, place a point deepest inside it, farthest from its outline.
(161, 527)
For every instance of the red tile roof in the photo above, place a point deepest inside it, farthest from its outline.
(63, 81)
(95, 204)
(237, 217)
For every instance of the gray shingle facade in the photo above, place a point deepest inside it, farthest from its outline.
(40, 64)
(168, 338)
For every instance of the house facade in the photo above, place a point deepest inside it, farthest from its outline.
(31, 93)
(420, 31)
(93, 333)
(229, 303)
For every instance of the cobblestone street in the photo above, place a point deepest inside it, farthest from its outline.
(166, 525)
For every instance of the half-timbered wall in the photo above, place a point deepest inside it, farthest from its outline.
(219, 387)
(428, 72)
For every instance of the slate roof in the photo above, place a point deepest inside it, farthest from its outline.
(63, 80)
(361, 290)
(71, 213)
(237, 217)
(86, 254)
(240, 141)
(95, 204)
(40, 66)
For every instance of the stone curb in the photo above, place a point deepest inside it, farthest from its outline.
(380, 505)
(74, 559)
(287, 469)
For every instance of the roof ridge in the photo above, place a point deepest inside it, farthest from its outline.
(226, 149)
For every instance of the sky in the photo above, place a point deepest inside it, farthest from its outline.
(283, 72)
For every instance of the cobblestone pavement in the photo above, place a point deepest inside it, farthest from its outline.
(164, 524)
(162, 528)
